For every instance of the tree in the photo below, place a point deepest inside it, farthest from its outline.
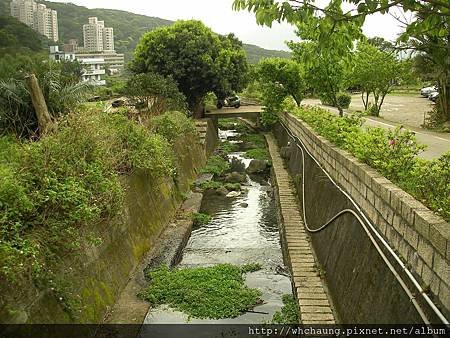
(426, 32)
(287, 76)
(17, 112)
(196, 58)
(278, 80)
(326, 72)
(155, 93)
(376, 72)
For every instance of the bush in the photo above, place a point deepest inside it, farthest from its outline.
(172, 125)
(52, 189)
(199, 218)
(343, 100)
(216, 165)
(392, 152)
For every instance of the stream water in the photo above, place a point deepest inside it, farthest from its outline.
(242, 230)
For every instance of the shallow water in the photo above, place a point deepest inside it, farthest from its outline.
(242, 230)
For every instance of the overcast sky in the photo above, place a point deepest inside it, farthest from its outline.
(218, 15)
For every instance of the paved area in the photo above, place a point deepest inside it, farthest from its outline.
(312, 298)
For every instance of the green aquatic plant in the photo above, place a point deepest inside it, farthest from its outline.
(207, 292)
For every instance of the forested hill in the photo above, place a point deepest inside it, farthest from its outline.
(16, 37)
(128, 28)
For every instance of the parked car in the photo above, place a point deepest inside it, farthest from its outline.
(433, 96)
(426, 91)
(231, 101)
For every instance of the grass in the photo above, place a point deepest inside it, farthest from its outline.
(227, 147)
(258, 154)
(288, 313)
(199, 218)
(216, 165)
(207, 292)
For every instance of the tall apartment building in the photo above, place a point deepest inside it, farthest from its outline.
(97, 37)
(37, 16)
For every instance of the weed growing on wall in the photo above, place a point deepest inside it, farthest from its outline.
(392, 152)
(214, 292)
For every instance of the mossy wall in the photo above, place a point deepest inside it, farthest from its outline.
(88, 283)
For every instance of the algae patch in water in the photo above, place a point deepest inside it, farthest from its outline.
(206, 292)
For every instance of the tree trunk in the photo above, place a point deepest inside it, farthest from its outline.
(444, 98)
(45, 122)
(198, 109)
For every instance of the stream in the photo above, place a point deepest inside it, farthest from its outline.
(243, 229)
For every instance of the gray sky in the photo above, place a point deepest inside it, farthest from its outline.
(218, 15)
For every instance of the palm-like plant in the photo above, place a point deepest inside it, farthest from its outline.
(17, 113)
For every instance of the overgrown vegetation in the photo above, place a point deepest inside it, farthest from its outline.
(213, 292)
(54, 189)
(216, 165)
(289, 312)
(392, 152)
(257, 154)
(199, 218)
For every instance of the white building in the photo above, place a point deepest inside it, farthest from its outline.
(37, 16)
(94, 71)
(114, 61)
(97, 37)
(57, 55)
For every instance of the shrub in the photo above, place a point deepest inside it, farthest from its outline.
(343, 100)
(199, 218)
(216, 165)
(392, 152)
(172, 125)
(52, 189)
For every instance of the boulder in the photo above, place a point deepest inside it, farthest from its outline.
(257, 166)
(222, 191)
(233, 194)
(235, 177)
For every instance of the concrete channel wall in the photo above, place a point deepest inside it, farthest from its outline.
(362, 287)
(88, 282)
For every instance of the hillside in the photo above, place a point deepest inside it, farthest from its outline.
(17, 37)
(128, 28)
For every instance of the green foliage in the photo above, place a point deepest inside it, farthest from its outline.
(254, 140)
(211, 185)
(258, 154)
(155, 93)
(59, 84)
(289, 312)
(277, 80)
(16, 37)
(233, 186)
(251, 267)
(199, 218)
(53, 189)
(344, 100)
(172, 125)
(376, 72)
(228, 147)
(216, 165)
(204, 61)
(214, 292)
(392, 152)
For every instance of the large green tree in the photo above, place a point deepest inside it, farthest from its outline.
(199, 60)
(426, 32)
(279, 79)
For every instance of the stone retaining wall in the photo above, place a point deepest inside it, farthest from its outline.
(421, 238)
